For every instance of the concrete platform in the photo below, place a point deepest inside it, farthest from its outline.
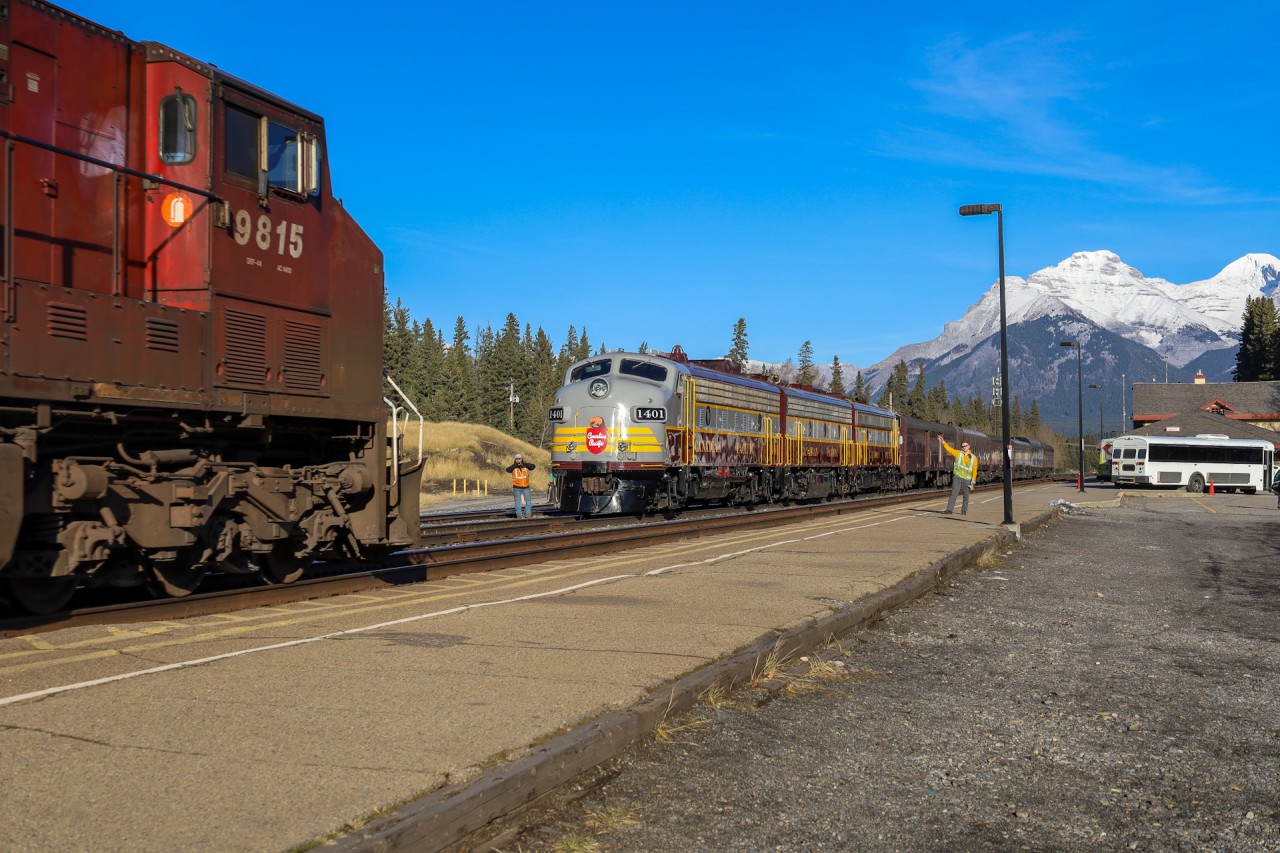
(273, 728)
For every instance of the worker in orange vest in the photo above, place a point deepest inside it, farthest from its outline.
(963, 473)
(519, 471)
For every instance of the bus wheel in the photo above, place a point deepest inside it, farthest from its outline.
(1195, 484)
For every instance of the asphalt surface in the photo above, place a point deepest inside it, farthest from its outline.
(1111, 683)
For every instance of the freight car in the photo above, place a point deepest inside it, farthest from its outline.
(190, 368)
(642, 432)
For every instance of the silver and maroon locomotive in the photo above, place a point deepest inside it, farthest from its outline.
(644, 432)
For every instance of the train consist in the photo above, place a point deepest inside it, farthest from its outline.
(190, 359)
(643, 432)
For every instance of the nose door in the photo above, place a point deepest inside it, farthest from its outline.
(600, 436)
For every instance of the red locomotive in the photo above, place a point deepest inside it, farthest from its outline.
(190, 358)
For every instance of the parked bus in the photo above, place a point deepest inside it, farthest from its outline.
(1243, 464)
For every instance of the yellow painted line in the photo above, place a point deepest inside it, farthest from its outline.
(556, 570)
(1206, 506)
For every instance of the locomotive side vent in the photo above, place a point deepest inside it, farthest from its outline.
(303, 369)
(162, 335)
(68, 321)
(245, 359)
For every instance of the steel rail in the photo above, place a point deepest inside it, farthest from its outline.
(437, 563)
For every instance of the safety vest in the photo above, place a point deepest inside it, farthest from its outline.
(520, 477)
(966, 466)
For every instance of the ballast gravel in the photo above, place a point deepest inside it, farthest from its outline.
(1111, 683)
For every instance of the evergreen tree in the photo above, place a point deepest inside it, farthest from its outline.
(738, 351)
(1033, 422)
(584, 346)
(457, 388)
(430, 352)
(397, 342)
(936, 402)
(1255, 359)
(860, 394)
(1016, 417)
(543, 381)
(490, 382)
(894, 395)
(509, 370)
(916, 396)
(978, 416)
(808, 374)
(837, 376)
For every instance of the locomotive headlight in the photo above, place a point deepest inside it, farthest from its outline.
(598, 388)
(623, 445)
(571, 446)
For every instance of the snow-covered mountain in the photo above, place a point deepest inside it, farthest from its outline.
(1129, 324)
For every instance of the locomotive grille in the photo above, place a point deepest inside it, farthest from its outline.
(245, 360)
(68, 321)
(302, 363)
(162, 335)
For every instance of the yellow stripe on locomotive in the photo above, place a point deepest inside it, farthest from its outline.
(638, 440)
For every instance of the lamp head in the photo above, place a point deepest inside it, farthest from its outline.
(978, 209)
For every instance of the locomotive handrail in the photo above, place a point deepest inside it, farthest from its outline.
(124, 170)
(395, 425)
(6, 307)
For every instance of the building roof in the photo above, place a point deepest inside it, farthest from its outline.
(1197, 422)
(1244, 401)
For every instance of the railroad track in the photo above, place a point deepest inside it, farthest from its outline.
(508, 543)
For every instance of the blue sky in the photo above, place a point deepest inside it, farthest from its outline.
(655, 171)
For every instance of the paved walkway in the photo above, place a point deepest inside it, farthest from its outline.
(267, 729)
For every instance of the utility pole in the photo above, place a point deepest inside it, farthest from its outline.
(512, 399)
(1124, 395)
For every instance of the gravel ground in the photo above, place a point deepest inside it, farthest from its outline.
(1111, 683)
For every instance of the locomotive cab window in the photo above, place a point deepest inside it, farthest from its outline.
(590, 369)
(270, 153)
(643, 369)
(177, 129)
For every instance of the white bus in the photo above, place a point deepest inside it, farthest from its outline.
(1243, 464)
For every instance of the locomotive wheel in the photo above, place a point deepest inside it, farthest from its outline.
(40, 595)
(178, 577)
(282, 565)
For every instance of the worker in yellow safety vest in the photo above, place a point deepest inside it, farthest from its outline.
(963, 473)
(519, 471)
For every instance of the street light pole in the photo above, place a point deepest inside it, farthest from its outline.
(1100, 435)
(1005, 429)
(1079, 403)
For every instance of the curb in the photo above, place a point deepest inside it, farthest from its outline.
(450, 814)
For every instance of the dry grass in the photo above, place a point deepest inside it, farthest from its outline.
(718, 696)
(667, 729)
(612, 818)
(773, 666)
(991, 558)
(457, 452)
(575, 843)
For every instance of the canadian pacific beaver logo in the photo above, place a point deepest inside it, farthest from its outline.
(597, 435)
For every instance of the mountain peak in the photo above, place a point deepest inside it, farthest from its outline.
(1101, 262)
